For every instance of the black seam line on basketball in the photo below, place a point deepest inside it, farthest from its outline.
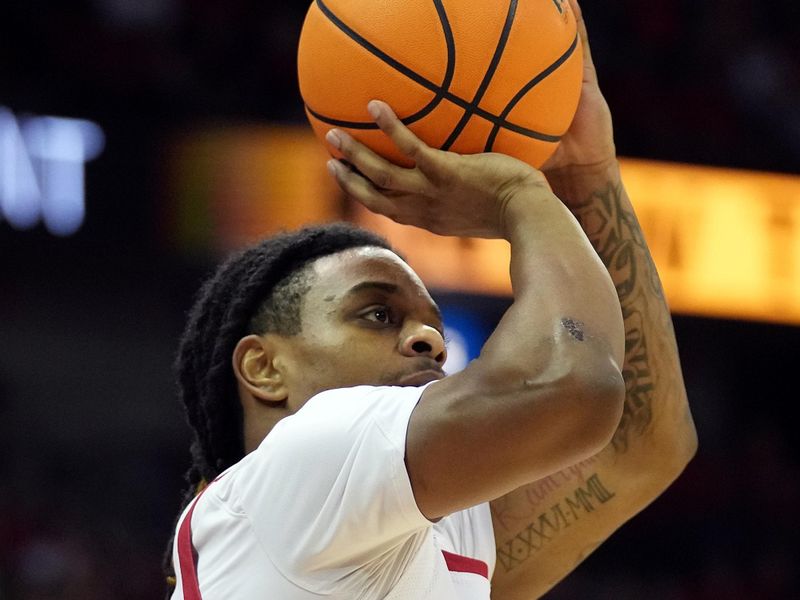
(416, 77)
(487, 78)
(439, 91)
(341, 123)
(528, 87)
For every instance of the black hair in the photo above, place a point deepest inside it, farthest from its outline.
(257, 290)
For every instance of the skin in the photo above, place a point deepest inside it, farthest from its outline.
(551, 388)
(656, 436)
(367, 320)
(574, 417)
(548, 381)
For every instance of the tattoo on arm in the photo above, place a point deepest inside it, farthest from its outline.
(584, 500)
(614, 231)
(575, 328)
(612, 227)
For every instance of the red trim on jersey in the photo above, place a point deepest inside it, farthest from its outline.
(191, 588)
(188, 567)
(465, 564)
(186, 553)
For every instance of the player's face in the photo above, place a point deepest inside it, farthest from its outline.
(367, 319)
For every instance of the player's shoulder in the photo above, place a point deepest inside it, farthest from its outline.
(359, 398)
(332, 411)
(334, 418)
(351, 434)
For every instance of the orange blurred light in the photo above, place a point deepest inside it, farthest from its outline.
(726, 242)
(232, 186)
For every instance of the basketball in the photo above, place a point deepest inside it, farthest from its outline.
(464, 75)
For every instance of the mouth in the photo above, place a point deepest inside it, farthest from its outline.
(420, 377)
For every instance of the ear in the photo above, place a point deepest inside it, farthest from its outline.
(255, 368)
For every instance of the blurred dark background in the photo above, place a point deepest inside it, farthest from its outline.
(92, 440)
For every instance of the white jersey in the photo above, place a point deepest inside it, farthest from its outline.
(323, 508)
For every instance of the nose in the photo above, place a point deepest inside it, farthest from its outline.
(419, 339)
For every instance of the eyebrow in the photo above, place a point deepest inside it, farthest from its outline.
(384, 286)
(389, 288)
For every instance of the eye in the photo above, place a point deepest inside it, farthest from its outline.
(378, 314)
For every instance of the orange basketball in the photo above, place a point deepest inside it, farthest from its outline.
(464, 75)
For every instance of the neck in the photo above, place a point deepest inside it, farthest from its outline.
(258, 422)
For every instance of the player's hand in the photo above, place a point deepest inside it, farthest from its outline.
(589, 141)
(445, 192)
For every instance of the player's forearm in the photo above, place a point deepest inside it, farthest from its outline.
(656, 409)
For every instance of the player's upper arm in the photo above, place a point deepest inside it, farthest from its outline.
(485, 431)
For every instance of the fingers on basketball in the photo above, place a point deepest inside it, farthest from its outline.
(360, 188)
(588, 64)
(381, 173)
(402, 137)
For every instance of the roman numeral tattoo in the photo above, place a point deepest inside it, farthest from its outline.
(583, 501)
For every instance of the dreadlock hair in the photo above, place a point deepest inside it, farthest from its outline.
(258, 290)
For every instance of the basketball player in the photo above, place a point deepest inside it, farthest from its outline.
(343, 463)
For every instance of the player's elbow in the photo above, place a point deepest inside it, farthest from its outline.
(600, 390)
(579, 396)
(678, 449)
